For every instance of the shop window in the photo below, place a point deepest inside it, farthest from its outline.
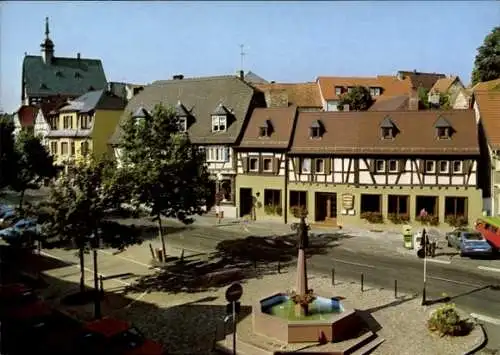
(371, 203)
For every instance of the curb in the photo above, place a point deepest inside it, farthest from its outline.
(481, 343)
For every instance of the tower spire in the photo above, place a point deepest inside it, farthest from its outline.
(47, 32)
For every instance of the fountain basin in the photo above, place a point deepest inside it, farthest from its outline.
(275, 317)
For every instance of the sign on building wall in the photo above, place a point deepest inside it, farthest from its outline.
(348, 201)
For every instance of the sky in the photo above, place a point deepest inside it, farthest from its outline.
(139, 42)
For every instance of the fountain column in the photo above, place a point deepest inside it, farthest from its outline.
(301, 289)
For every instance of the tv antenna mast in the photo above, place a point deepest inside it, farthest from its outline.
(242, 55)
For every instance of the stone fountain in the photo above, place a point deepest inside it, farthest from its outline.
(303, 316)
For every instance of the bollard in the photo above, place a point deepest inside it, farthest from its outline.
(101, 284)
(395, 288)
(333, 276)
(279, 267)
(362, 282)
(152, 251)
(182, 255)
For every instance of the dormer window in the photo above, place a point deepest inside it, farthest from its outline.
(43, 86)
(219, 123)
(265, 129)
(374, 91)
(182, 115)
(182, 124)
(443, 128)
(387, 129)
(59, 74)
(316, 130)
(338, 90)
(140, 114)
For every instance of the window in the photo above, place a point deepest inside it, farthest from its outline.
(457, 166)
(338, 90)
(267, 164)
(305, 165)
(387, 133)
(72, 146)
(263, 132)
(84, 148)
(397, 205)
(379, 166)
(443, 166)
(219, 123)
(218, 154)
(374, 91)
(371, 203)
(349, 89)
(455, 207)
(393, 166)
(67, 122)
(64, 148)
(272, 197)
(426, 205)
(53, 148)
(253, 164)
(319, 166)
(429, 166)
(443, 132)
(315, 133)
(298, 199)
(85, 121)
(54, 122)
(182, 124)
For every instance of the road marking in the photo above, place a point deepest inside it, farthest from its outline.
(353, 263)
(130, 260)
(486, 319)
(487, 268)
(86, 269)
(454, 282)
(447, 262)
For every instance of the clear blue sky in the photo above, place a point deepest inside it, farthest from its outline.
(285, 41)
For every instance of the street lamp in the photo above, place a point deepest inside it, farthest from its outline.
(94, 242)
(218, 197)
(424, 243)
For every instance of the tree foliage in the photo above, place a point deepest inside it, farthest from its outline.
(359, 99)
(487, 62)
(7, 156)
(32, 164)
(165, 172)
(425, 104)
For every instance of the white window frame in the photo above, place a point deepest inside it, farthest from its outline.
(338, 91)
(250, 159)
(218, 154)
(392, 161)
(375, 91)
(322, 165)
(305, 165)
(447, 169)
(461, 167)
(219, 121)
(381, 170)
(264, 164)
(433, 170)
(183, 124)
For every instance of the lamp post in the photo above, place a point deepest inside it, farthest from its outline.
(94, 241)
(424, 242)
(218, 197)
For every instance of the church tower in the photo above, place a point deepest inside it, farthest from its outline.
(47, 45)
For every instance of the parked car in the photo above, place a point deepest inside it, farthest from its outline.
(469, 242)
(19, 230)
(120, 337)
(8, 218)
(4, 208)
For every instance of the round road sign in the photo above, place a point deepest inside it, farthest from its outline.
(234, 292)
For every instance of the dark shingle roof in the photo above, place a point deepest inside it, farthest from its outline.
(252, 78)
(94, 100)
(201, 96)
(63, 76)
(424, 80)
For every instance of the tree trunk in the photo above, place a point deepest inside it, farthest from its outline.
(21, 199)
(82, 269)
(162, 238)
(97, 294)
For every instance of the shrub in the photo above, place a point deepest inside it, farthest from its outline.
(456, 221)
(446, 321)
(273, 210)
(299, 211)
(373, 217)
(303, 299)
(279, 210)
(429, 220)
(398, 218)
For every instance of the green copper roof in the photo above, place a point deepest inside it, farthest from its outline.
(63, 76)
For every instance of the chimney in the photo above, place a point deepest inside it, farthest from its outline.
(241, 74)
(346, 108)
(413, 101)
(276, 98)
(78, 56)
(178, 77)
(110, 86)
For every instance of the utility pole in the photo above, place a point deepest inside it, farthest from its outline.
(242, 55)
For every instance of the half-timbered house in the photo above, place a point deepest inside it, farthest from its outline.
(261, 182)
(398, 166)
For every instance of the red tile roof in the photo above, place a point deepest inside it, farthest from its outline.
(488, 103)
(27, 115)
(300, 94)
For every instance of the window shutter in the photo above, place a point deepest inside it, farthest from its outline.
(261, 161)
(421, 165)
(401, 167)
(471, 165)
(296, 165)
(313, 165)
(244, 162)
(276, 166)
(466, 166)
(372, 165)
(328, 166)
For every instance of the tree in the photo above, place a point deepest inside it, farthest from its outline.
(168, 174)
(487, 62)
(77, 208)
(424, 104)
(359, 99)
(7, 156)
(33, 164)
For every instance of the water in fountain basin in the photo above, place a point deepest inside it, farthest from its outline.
(320, 309)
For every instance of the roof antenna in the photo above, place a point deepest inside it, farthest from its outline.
(242, 55)
(47, 32)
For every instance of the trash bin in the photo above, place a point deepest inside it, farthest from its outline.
(407, 237)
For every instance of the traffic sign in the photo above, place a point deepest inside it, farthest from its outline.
(234, 292)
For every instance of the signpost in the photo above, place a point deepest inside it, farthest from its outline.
(233, 294)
